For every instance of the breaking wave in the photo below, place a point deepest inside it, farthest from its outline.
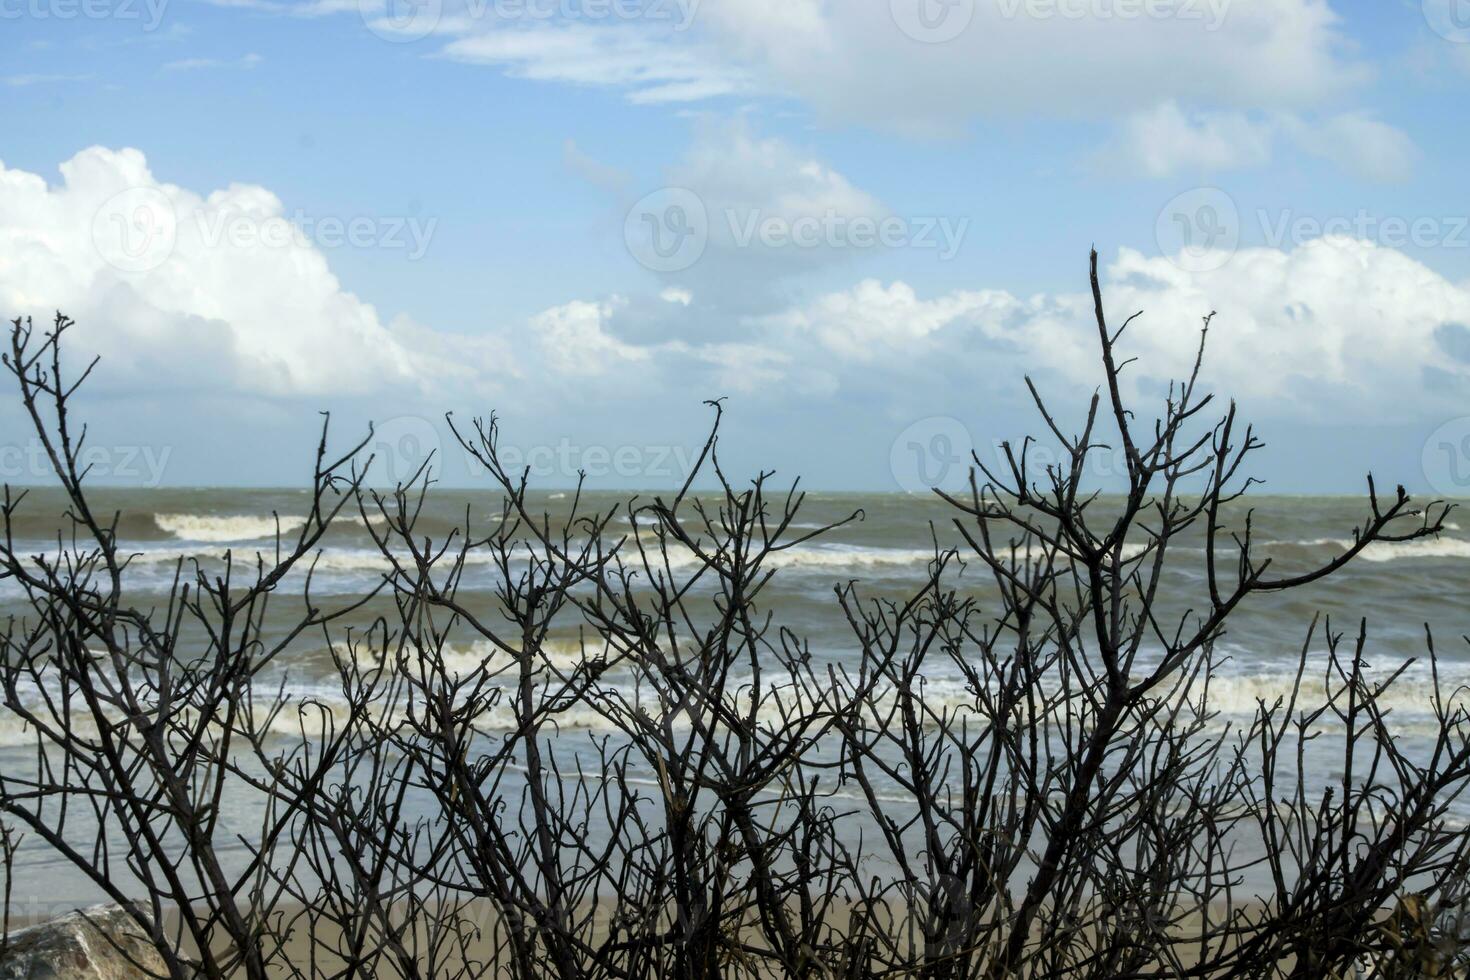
(223, 528)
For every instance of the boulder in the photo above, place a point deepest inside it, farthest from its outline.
(99, 943)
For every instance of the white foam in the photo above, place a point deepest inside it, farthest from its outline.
(1410, 697)
(1384, 551)
(1234, 692)
(1423, 548)
(235, 527)
(224, 528)
(483, 656)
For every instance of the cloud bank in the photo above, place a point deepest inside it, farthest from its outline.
(1333, 328)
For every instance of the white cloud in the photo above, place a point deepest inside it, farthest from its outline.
(200, 64)
(773, 211)
(1368, 147)
(26, 81)
(625, 56)
(293, 8)
(1338, 329)
(165, 288)
(873, 322)
(863, 62)
(1192, 84)
(854, 61)
(740, 175)
(1335, 326)
(169, 300)
(1167, 140)
(575, 341)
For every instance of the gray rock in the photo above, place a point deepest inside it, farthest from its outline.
(99, 943)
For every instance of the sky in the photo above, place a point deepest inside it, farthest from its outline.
(860, 222)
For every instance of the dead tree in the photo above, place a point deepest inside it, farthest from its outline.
(1079, 812)
(615, 761)
(135, 711)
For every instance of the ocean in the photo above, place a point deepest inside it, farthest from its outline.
(1398, 588)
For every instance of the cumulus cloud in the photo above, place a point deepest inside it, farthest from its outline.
(872, 322)
(224, 293)
(1334, 328)
(191, 290)
(748, 182)
(754, 213)
(576, 343)
(1328, 330)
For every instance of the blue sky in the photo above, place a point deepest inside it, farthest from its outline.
(471, 183)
